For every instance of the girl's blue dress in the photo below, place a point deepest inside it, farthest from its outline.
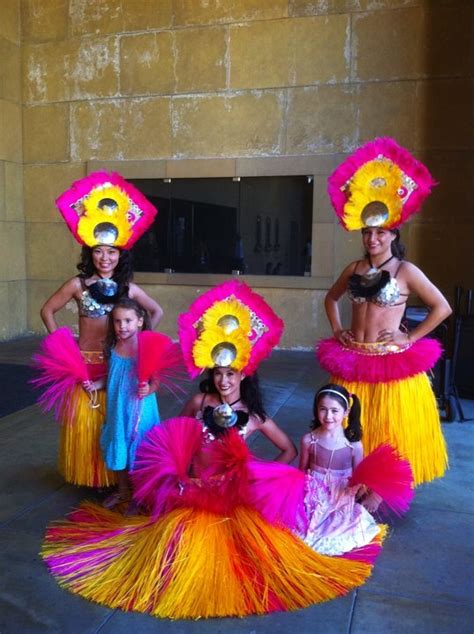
(128, 418)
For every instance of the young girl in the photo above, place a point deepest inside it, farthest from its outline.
(131, 407)
(336, 522)
(224, 385)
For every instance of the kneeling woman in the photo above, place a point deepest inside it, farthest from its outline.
(206, 550)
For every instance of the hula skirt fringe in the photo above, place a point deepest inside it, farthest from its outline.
(398, 404)
(192, 563)
(205, 550)
(80, 457)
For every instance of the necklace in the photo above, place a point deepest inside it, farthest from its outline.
(377, 268)
(374, 274)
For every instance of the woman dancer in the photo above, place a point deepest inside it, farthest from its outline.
(376, 190)
(206, 551)
(106, 215)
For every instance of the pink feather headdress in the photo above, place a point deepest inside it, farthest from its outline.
(228, 326)
(103, 208)
(380, 185)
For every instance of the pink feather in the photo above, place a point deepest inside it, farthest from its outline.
(278, 491)
(397, 154)
(389, 475)
(187, 322)
(161, 359)
(81, 188)
(61, 367)
(352, 365)
(162, 463)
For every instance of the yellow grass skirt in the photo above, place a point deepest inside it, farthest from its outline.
(193, 563)
(403, 413)
(80, 457)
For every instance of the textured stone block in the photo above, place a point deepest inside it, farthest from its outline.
(147, 64)
(260, 54)
(246, 124)
(72, 69)
(46, 133)
(42, 185)
(436, 249)
(189, 12)
(412, 43)
(321, 119)
(322, 263)
(387, 109)
(199, 64)
(12, 248)
(13, 307)
(320, 49)
(10, 20)
(13, 189)
(322, 209)
(452, 197)
(10, 70)
(201, 168)
(11, 133)
(54, 261)
(121, 129)
(444, 114)
(318, 7)
(43, 21)
(38, 292)
(142, 15)
(98, 17)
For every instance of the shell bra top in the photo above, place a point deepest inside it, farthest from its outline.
(98, 299)
(211, 430)
(385, 292)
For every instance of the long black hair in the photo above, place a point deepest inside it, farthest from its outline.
(353, 431)
(129, 304)
(123, 273)
(397, 246)
(250, 394)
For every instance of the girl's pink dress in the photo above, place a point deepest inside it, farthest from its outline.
(335, 522)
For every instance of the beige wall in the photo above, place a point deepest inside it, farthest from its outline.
(13, 298)
(251, 86)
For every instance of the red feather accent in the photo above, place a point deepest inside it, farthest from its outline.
(160, 359)
(389, 475)
(61, 367)
(162, 463)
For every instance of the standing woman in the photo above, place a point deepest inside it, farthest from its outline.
(106, 215)
(376, 190)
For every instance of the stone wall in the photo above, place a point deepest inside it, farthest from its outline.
(12, 225)
(169, 82)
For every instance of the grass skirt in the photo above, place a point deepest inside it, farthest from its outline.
(397, 401)
(80, 457)
(193, 563)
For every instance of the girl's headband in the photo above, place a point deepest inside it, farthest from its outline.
(329, 390)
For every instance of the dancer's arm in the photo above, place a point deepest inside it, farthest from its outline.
(331, 304)
(153, 309)
(281, 441)
(420, 285)
(57, 301)
(192, 406)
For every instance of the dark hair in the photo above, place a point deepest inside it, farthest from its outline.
(250, 394)
(353, 431)
(123, 273)
(128, 304)
(397, 246)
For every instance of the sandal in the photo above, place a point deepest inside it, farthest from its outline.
(114, 500)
